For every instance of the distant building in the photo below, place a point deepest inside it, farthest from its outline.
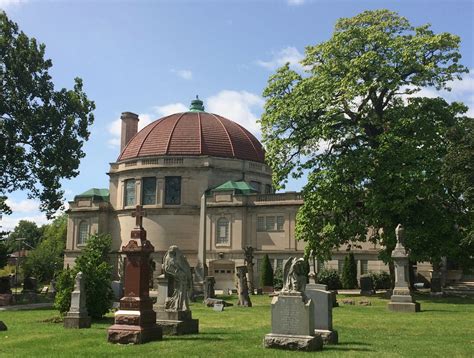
(204, 184)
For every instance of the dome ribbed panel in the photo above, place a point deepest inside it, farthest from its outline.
(215, 140)
(156, 142)
(194, 133)
(185, 137)
(240, 140)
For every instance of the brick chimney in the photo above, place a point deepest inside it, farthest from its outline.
(129, 128)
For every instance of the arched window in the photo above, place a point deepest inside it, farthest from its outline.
(222, 232)
(83, 233)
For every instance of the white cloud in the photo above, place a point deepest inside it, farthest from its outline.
(171, 108)
(8, 223)
(461, 91)
(239, 106)
(184, 74)
(23, 206)
(288, 54)
(296, 2)
(11, 3)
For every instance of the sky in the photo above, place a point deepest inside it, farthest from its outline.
(154, 57)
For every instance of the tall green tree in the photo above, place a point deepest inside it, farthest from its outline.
(26, 235)
(3, 255)
(46, 260)
(266, 276)
(349, 272)
(42, 129)
(373, 156)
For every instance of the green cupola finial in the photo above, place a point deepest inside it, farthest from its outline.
(196, 105)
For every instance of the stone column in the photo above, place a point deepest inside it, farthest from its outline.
(201, 264)
(401, 299)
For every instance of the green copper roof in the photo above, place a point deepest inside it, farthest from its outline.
(239, 187)
(196, 105)
(95, 194)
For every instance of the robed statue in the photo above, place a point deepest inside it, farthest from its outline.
(176, 265)
(294, 276)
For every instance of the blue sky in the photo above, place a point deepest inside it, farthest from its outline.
(152, 58)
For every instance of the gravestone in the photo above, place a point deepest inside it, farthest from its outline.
(117, 288)
(30, 284)
(6, 297)
(293, 313)
(3, 326)
(322, 300)
(401, 299)
(366, 285)
(135, 320)
(219, 307)
(242, 287)
(209, 291)
(52, 288)
(77, 317)
(175, 318)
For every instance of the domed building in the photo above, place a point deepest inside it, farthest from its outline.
(204, 185)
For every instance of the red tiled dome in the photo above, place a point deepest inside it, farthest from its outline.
(194, 133)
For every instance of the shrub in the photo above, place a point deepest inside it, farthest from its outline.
(278, 278)
(266, 278)
(97, 274)
(349, 272)
(64, 287)
(382, 280)
(330, 278)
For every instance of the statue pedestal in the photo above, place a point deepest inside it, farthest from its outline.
(293, 324)
(175, 323)
(135, 320)
(401, 299)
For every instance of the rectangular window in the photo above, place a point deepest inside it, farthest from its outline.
(280, 223)
(364, 267)
(340, 266)
(129, 195)
(270, 223)
(149, 191)
(172, 190)
(260, 223)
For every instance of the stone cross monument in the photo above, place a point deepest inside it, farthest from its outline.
(77, 317)
(135, 319)
(401, 299)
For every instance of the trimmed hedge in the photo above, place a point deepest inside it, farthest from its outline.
(330, 278)
(381, 280)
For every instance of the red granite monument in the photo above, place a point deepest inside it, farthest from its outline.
(135, 321)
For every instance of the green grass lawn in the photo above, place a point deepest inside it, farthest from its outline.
(444, 328)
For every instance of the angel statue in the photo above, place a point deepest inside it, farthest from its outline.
(176, 266)
(294, 275)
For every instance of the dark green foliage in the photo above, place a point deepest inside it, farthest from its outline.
(266, 278)
(372, 157)
(27, 230)
(381, 280)
(42, 130)
(97, 275)
(64, 288)
(278, 279)
(349, 272)
(3, 255)
(330, 278)
(46, 260)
